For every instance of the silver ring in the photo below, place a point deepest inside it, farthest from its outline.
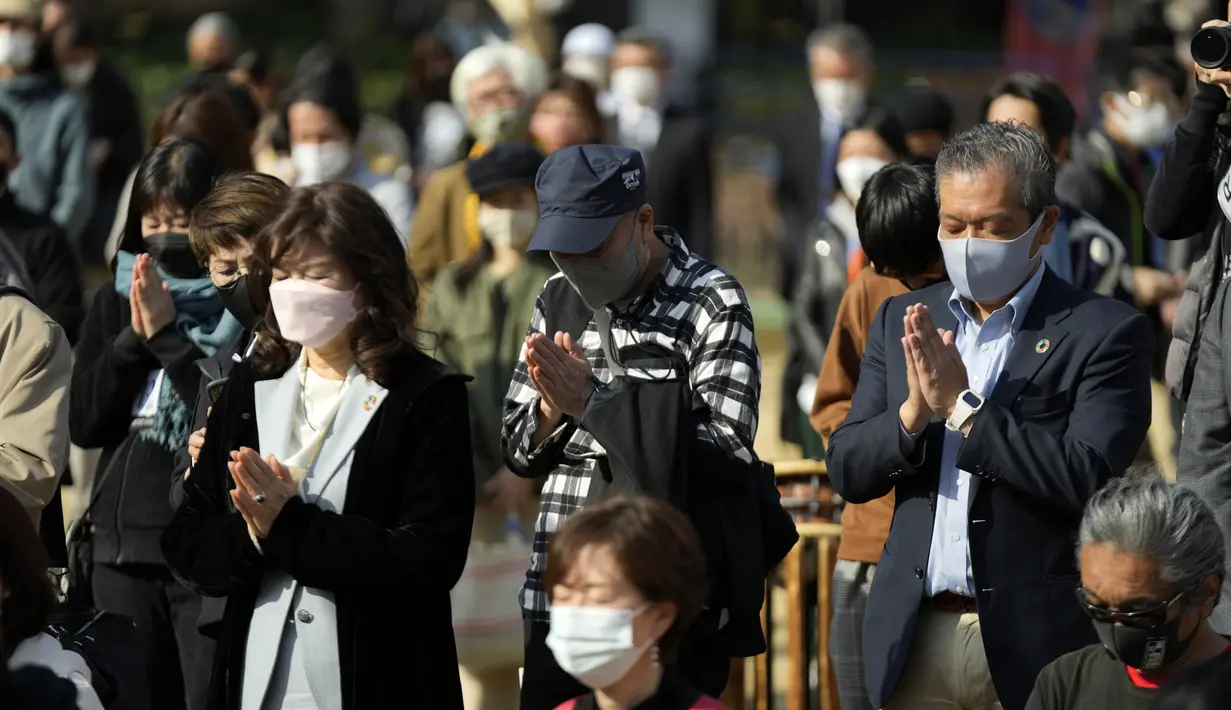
(259, 497)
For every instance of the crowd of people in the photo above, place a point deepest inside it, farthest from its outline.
(350, 374)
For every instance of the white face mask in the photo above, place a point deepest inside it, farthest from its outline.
(77, 75)
(506, 227)
(640, 85)
(595, 644)
(854, 173)
(844, 98)
(592, 70)
(1144, 127)
(320, 162)
(17, 48)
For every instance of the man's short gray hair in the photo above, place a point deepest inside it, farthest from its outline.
(1014, 148)
(527, 71)
(216, 23)
(1165, 522)
(847, 40)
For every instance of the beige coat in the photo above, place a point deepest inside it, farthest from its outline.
(35, 369)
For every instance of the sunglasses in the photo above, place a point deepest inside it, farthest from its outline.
(1144, 619)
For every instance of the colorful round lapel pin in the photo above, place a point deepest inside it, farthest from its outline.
(369, 403)
(1042, 346)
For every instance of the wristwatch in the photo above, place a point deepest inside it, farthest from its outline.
(968, 405)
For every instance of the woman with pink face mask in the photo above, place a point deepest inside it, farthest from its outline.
(333, 498)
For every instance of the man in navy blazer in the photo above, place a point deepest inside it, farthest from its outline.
(995, 406)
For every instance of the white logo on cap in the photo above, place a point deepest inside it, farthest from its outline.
(632, 179)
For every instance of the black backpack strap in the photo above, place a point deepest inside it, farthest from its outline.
(563, 309)
(5, 290)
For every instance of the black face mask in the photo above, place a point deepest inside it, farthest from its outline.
(173, 254)
(1145, 649)
(237, 299)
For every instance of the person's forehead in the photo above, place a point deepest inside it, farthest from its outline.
(304, 253)
(979, 189)
(492, 79)
(834, 60)
(862, 140)
(635, 53)
(1115, 576)
(595, 565)
(1009, 107)
(1152, 84)
(305, 112)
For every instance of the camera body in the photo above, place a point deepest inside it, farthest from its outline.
(1211, 47)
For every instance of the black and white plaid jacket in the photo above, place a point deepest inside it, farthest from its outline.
(694, 310)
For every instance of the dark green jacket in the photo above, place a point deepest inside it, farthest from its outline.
(480, 331)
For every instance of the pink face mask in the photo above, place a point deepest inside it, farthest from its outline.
(309, 313)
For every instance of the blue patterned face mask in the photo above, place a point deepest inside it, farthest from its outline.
(984, 270)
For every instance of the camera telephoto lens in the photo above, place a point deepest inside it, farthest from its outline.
(1211, 47)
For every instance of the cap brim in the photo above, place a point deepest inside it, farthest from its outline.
(572, 235)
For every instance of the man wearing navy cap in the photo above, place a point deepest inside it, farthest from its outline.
(625, 285)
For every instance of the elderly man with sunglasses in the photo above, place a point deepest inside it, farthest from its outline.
(1151, 566)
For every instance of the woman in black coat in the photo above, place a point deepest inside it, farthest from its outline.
(338, 543)
(134, 383)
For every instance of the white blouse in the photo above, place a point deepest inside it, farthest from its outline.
(289, 688)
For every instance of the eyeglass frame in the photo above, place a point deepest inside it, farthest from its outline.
(1129, 618)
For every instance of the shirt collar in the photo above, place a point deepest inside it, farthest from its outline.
(675, 266)
(1017, 306)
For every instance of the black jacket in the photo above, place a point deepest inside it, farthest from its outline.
(1069, 411)
(1183, 202)
(109, 373)
(822, 283)
(1109, 182)
(217, 367)
(211, 369)
(390, 558)
(50, 263)
(680, 181)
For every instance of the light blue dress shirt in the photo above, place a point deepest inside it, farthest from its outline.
(985, 349)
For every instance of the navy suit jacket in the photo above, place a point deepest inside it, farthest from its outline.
(1069, 411)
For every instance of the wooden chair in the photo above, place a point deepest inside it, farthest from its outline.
(808, 496)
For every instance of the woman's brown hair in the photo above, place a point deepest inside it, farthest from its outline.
(234, 212)
(658, 551)
(348, 223)
(583, 97)
(28, 597)
(206, 113)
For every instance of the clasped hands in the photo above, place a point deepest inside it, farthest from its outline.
(150, 299)
(562, 375)
(262, 488)
(935, 372)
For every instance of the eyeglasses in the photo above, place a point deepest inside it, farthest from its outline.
(1143, 619)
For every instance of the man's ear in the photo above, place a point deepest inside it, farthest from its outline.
(645, 218)
(1051, 217)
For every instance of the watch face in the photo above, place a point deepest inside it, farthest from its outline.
(971, 399)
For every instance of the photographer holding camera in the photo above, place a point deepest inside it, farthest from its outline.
(1185, 200)
(1192, 195)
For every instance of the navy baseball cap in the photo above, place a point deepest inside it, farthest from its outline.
(583, 191)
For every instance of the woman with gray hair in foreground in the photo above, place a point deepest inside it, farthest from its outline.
(1152, 561)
